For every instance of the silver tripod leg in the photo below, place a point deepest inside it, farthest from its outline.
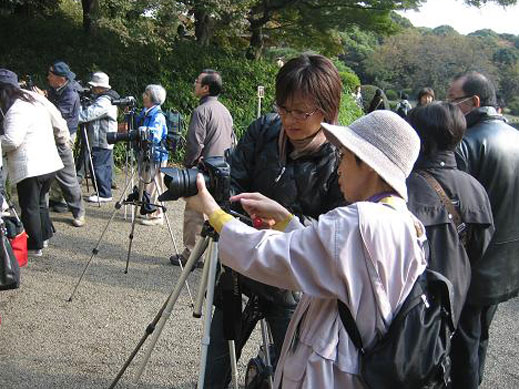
(92, 172)
(211, 262)
(95, 250)
(127, 161)
(170, 230)
(266, 343)
(134, 219)
(194, 257)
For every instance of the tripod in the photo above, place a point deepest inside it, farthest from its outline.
(88, 163)
(209, 243)
(136, 200)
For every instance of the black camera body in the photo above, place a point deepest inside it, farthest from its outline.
(182, 182)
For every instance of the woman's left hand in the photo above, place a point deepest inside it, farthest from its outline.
(202, 202)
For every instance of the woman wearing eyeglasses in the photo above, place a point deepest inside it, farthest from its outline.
(285, 156)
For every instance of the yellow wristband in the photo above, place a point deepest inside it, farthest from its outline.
(218, 219)
(282, 225)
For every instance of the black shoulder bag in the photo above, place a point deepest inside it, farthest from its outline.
(9, 269)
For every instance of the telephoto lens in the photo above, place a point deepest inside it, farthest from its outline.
(114, 137)
(181, 182)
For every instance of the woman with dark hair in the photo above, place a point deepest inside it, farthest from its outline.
(377, 102)
(453, 248)
(31, 153)
(285, 156)
(425, 96)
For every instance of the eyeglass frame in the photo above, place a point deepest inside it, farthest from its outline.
(460, 100)
(304, 117)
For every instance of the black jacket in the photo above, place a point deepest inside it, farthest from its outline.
(447, 254)
(307, 186)
(66, 99)
(490, 152)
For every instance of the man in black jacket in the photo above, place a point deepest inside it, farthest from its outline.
(489, 152)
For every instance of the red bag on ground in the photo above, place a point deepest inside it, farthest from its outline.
(17, 237)
(19, 245)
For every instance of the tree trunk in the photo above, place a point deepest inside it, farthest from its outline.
(90, 15)
(256, 43)
(203, 27)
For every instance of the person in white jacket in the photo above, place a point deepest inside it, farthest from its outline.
(368, 254)
(32, 157)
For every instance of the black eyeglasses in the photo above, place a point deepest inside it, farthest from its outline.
(296, 114)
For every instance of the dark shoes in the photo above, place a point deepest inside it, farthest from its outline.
(58, 207)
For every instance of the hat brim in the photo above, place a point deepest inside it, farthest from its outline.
(99, 85)
(345, 137)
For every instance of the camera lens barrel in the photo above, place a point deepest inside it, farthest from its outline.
(114, 137)
(182, 182)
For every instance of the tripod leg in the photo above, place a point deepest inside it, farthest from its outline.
(206, 338)
(125, 175)
(193, 259)
(197, 308)
(149, 330)
(95, 250)
(266, 344)
(234, 368)
(84, 154)
(92, 171)
(134, 219)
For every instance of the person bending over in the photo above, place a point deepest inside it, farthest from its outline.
(368, 254)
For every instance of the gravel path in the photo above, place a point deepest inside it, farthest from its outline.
(47, 342)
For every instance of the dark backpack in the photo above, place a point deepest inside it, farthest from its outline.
(414, 353)
(175, 124)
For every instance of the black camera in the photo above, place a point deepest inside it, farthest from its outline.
(128, 101)
(182, 182)
(86, 97)
(142, 134)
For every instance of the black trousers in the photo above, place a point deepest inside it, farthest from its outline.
(218, 370)
(32, 196)
(469, 346)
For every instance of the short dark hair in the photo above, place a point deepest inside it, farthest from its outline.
(213, 80)
(426, 91)
(404, 96)
(439, 125)
(314, 76)
(476, 84)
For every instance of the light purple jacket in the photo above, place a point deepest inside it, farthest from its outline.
(367, 255)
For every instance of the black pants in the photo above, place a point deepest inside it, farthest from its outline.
(469, 346)
(32, 196)
(218, 371)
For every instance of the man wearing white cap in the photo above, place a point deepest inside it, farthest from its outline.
(368, 254)
(100, 119)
